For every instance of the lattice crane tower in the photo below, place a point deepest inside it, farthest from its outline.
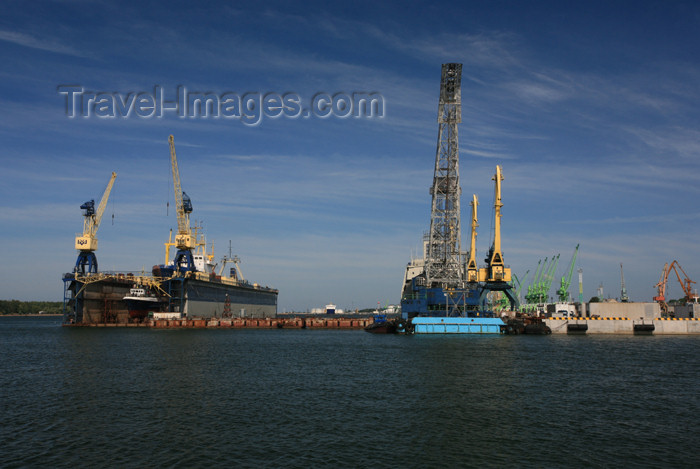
(444, 264)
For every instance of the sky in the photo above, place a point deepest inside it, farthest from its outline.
(591, 108)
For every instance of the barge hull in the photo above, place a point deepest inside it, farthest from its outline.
(458, 325)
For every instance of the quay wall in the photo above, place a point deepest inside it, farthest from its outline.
(622, 325)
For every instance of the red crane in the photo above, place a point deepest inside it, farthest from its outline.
(661, 297)
(686, 285)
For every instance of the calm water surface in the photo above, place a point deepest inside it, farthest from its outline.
(298, 398)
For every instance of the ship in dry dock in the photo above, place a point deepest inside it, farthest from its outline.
(191, 285)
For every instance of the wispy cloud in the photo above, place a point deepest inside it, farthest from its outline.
(664, 140)
(47, 44)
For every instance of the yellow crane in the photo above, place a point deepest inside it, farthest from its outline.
(472, 269)
(185, 241)
(86, 244)
(496, 276)
(496, 271)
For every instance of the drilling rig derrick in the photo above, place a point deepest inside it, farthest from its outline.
(444, 264)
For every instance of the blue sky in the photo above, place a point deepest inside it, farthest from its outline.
(591, 108)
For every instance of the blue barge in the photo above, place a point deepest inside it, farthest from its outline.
(459, 325)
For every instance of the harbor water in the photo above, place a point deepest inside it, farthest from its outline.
(118, 397)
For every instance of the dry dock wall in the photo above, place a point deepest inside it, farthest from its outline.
(624, 326)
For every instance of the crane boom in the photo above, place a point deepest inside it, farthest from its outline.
(685, 283)
(183, 205)
(88, 241)
(538, 272)
(520, 283)
(103, 205)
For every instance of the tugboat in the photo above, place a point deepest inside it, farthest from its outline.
(382, 325)
(139, 303)
(526, 324)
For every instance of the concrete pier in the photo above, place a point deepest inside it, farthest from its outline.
(661, 326)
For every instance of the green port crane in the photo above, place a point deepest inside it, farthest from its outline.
(546, 283)
(563, 291)
(530, 295)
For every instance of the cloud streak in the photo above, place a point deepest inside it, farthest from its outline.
(33, 42)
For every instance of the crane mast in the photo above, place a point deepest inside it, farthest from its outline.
(472, 269)
(87, 243)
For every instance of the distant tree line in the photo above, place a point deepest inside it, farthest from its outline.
(30, 307)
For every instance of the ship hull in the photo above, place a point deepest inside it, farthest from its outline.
(209, 299)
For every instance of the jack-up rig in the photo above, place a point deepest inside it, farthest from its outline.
(446, 282)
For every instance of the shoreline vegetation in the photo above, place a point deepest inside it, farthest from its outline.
(30, 308)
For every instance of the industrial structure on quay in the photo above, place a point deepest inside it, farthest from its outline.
(444, 291)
